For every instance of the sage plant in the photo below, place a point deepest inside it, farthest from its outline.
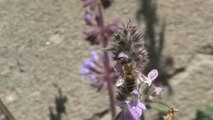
(100, 68)
(136, 91)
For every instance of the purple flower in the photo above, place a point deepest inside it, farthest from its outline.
(135, 93)
(93, 35)
(94, 69)
(152, 75)
(96, 35)
(122, 56)
(89, 18)
(157, 90)
(132, 110)
(111, 27)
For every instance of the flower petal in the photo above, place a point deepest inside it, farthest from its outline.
(153, 74)
(141, 105)
(88, 18)
(88, 62)
(122, 55)
(135, 113)
(84, 70)
(126, 115)
(136, 108)
(94, 55)
(93, 77)
(135, 93)
(121, 104)
(158, 90)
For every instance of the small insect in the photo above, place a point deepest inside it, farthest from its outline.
(131, 77)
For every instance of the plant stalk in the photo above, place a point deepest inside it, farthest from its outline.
(106, 60)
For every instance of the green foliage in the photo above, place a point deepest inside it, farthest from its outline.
(205, 114)
(158, 105)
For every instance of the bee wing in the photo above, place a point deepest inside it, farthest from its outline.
(140, 77)
(119, 82)
(143, 79)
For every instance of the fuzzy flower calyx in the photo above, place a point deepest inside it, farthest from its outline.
(128, 40)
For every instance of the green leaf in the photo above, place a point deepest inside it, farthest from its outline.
(205, 113)
(158, 105)
(118, 116)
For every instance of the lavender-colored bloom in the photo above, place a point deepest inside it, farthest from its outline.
(89, 18)
(157, 90)
(122, 56)
(84, 71)
(95, 34)
(135, 93)
(94, 69)
(132, 110)
(111, 27)
(94, 55)
(152, 75)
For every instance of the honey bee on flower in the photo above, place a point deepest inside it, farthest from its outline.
(130, 77)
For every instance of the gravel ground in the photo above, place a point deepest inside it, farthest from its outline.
(42, 49)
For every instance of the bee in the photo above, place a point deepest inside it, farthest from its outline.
(130, 77)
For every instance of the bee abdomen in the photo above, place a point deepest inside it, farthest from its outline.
(130, 85)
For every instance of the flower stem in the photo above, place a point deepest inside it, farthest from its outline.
(112, 99)
(106, 60)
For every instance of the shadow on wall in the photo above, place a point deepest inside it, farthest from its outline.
(60, 100)
(155, 44)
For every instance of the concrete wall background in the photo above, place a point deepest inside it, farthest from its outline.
(42, 48)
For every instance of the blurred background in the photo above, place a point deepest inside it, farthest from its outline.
(42, 48)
